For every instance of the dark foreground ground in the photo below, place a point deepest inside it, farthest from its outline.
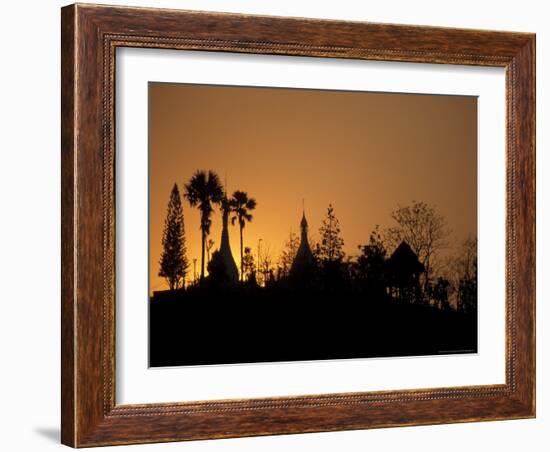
(245, 327)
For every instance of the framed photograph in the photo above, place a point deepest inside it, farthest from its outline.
(281, 225)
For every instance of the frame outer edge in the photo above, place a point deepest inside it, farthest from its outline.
(68, 243)
(534, 226)
(525, 62)
(86, 420)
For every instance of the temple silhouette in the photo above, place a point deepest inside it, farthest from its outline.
(303, 265)
(404, 271)
(403, 268)
(231, 270)
(304, 261)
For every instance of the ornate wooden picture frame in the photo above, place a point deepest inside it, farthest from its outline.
(90, 37)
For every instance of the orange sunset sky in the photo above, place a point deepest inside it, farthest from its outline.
(363, 152)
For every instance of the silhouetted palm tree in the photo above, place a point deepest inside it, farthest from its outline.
(241, 205)
(203, 190)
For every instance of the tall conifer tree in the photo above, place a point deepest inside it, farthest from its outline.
(330, 248)
(173, 260)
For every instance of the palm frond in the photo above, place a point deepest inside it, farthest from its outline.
(251, 204)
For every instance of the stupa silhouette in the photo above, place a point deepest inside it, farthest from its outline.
(304, 261)
(231, 270)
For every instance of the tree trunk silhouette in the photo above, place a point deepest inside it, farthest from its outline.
(242, 273)
(203, 190)
(203, 245)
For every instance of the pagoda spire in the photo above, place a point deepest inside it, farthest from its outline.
(303, 229)
(304, 261)
(232, 272)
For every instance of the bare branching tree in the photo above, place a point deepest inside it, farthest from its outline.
(462, 264)
(249, 266)
(265, 264)
(425, 231)
(288, 254)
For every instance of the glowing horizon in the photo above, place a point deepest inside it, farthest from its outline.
(364, 153)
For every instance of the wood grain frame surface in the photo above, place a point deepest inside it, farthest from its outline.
(90, 35)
